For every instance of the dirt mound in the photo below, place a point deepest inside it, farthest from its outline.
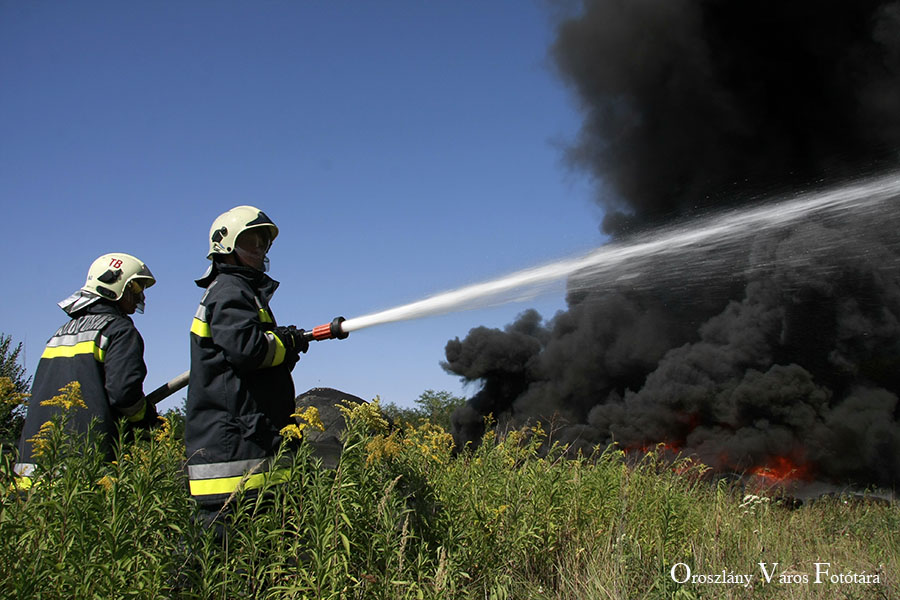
(326, 444)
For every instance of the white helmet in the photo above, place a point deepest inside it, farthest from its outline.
(110, 274)
(229, 225)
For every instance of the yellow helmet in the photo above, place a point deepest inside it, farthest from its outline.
(229, 225)
(110, 274)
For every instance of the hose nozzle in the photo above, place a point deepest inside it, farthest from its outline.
(327, 331)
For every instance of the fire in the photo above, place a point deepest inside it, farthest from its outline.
(660, 447)
(669, 453)
(781, 469)
(777, 470)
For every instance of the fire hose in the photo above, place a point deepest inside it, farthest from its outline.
(328, 331)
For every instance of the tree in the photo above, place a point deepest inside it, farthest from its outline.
(14, 387)
(431, 406)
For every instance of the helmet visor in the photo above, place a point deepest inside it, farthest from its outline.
(251, 247)
(137, 287)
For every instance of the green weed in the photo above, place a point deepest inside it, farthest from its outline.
(402, 517)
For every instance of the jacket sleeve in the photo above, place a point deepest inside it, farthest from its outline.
(236, 327)
(125, 370)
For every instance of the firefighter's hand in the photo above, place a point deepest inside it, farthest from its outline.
(292, 338)
(149, 420)
(302, 342)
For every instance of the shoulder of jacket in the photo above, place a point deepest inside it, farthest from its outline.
(120, 324)
(226, 285)
(228, 281)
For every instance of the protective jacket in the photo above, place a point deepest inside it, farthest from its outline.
(101, 349)
(240, 393)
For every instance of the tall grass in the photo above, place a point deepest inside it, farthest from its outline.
(401, 517)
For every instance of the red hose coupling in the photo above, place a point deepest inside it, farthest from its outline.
(330, 331)
(322, 332)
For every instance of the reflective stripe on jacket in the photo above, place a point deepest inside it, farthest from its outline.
(101, 349)
(240, 393)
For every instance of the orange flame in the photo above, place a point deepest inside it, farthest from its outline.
(660, 447)
(781, 469)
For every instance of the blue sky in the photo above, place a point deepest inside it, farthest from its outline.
(403, 148)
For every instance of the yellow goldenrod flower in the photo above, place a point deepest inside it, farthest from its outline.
(106, 482)
(309, 417)
(69, 397)
(41, 440)
(291, 432)
(429, 441)
(382, 447)
(164, 430)
(367, 412)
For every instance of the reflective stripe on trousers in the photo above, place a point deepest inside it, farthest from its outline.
(24, 473)
(227, 477)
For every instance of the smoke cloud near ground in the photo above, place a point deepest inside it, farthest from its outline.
(787, 346)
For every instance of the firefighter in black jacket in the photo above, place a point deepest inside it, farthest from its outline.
(101, 349)
(240, 393)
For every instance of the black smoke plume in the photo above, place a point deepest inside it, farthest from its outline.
(788, 346)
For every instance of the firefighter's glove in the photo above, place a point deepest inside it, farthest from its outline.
(292, 338)
(149, 419)
(302, 342)
(139, 428)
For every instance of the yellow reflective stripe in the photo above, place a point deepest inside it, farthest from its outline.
(228, 485)
(265, 317)
(279, 352)
(22, 483)
(200, 328)
(90, 347)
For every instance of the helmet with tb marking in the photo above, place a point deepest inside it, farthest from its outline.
(110, 275)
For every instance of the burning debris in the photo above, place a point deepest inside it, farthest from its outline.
(778, 355)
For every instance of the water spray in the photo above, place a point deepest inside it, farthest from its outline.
(720, 232)
(626, 261)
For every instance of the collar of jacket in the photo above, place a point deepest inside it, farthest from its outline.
(101, 307)
(257, 279)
